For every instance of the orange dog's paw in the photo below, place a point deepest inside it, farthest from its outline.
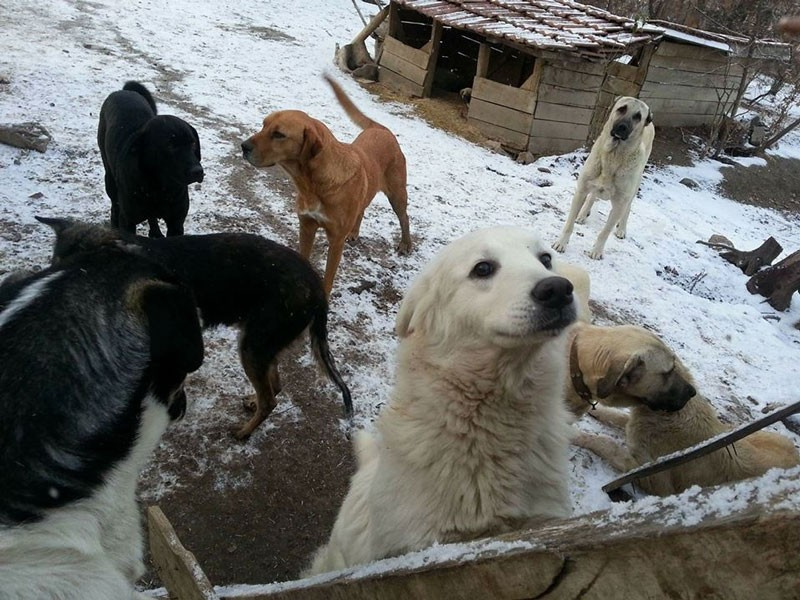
(404, 247)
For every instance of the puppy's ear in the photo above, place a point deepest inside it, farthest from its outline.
(196, 143)
(649, 118)
(312, 142)
(620, 376)
(419, 310)
(176, 342)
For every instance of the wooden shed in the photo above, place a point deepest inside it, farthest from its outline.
(542, 73)
(694, 76)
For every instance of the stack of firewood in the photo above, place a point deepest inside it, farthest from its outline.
(777, 283)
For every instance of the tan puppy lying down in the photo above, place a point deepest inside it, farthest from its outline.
(628, 366)
(474, 441)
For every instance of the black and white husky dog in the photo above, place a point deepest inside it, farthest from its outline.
(93, 355)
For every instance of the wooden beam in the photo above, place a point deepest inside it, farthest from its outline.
(483, 60)
(658, 552)
(175, 565)
(374, 23)
(433, 56)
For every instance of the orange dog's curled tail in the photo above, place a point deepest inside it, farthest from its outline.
(356, 116)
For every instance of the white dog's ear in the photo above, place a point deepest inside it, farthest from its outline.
(617, 377)
(418, 309)
(649, 118)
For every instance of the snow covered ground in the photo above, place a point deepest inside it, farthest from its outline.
(224, 65)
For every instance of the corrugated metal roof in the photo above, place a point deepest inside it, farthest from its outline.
(555, 25)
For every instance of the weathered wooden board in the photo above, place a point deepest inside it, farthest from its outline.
(500, 115)
(681, 119)
(564, 131)
(622, 70)
(571, 79)
(696, 65)
(568, 97)
(405, 69)
(620, 87)
(676, 105)
(503, 95)
(743, 546)
(418, 58)
(541, 145)
(691, 51)
(511, 138)
(686, 92)
(176, 566)
(398, 82)
(590, 68)
(671, 76)
(546, 111)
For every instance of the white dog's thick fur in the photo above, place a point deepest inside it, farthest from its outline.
(613, 171)
(89, 550)
(474, 441)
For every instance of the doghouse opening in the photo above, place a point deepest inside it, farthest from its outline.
(509, 66)
(412, 28)
(457, 62)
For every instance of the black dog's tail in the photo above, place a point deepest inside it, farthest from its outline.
(135, 86)
(318, 332)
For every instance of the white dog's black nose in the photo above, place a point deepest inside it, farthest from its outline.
(621, 130)
(553, 292)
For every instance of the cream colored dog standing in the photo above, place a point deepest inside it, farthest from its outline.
(628, 366)
(474, 441)
(613, 171)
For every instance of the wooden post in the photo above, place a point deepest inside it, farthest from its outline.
(374, 23)
(175, 565)
(483, 60)
(432, 47)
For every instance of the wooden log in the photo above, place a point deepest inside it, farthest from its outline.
(661, 551)
(175, 565)
(374, 23)
(751, 261)
(779, 282)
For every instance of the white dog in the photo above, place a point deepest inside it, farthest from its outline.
(613, 171)
(474, 441)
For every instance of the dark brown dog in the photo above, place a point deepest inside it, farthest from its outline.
(335, 181)
(266, 289)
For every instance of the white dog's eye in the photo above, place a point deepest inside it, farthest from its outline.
(637, 116)
(483, 269)
(547, 261)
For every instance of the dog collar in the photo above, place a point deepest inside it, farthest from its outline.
(576, 375)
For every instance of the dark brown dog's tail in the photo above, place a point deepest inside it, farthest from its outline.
(318, 331)
(356, 116)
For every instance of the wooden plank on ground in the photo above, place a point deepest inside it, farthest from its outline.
(398, 82)
(503, 95)
(176, 566)
(742, 546)
(500, 115)
(568, 97)
(547, 111)
(511, 138)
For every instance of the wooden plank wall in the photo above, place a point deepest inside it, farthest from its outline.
(565, 104)
(403, 67)
(502, 112)
(685, 84)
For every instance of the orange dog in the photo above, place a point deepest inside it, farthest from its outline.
(335, 181)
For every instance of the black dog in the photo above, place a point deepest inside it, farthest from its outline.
(93, 354)
(149, 161)
(268, 290)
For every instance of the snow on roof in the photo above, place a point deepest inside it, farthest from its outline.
(555, 25)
